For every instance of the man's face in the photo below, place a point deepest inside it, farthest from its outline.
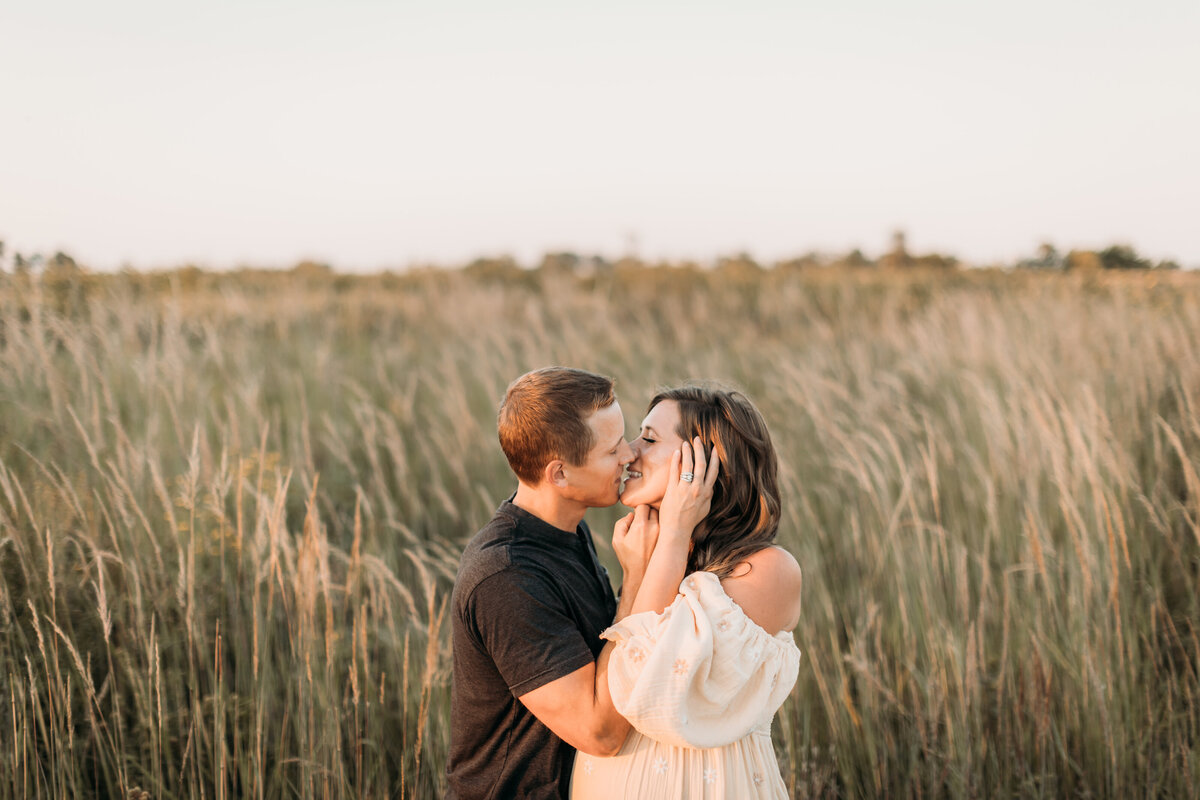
(597, 481)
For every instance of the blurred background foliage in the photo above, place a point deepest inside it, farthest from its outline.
(232, 503)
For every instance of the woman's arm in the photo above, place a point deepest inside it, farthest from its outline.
(684, 506)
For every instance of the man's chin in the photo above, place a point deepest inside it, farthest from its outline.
(609, 502)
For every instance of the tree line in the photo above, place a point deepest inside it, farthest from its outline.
(61, 267)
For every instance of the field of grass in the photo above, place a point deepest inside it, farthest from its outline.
(231, 508)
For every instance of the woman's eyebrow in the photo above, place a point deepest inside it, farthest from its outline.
(647, 429)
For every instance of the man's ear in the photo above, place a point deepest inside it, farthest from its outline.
(554, 473)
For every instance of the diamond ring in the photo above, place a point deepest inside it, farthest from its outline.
(686, 477)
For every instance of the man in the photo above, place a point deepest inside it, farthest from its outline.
(531, 598)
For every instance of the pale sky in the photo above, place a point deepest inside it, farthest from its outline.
(377, 135)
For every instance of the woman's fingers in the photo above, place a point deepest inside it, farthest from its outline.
(641, 514)
(704, 470)
(695, 453)
(621, 529)
(687, 464)
(635, 536)
(646, 520)
(712, 468)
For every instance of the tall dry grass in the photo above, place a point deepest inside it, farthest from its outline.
(231, 509)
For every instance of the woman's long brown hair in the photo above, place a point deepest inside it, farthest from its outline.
(745, 512)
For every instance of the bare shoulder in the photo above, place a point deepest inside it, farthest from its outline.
(767, 587)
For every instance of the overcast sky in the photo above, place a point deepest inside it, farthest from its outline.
(382, 134)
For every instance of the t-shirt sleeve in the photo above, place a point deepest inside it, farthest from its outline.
(700, 674)
(521, 620)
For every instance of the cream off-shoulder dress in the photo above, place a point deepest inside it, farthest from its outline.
(700, 683)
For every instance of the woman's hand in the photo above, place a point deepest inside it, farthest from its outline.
(653, 547)
(634, 537)
(686, 503)
(684, 506)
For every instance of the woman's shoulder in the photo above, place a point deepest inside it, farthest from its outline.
(767, 587)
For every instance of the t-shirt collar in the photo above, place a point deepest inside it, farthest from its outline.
(536, 526)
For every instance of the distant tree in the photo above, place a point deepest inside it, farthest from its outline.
(595, 264)
(1047, 254)
(564, 263)
(1046, 257)
(809, 260)
(1121, 256)
(312, 269)
(65, 283)
(935, 261)
(61, 262)
(897, 257)
(313, 274)
(741, 265)
(28, 265)
(499, 269)
(856, 259)
(1083, 260)
(627, 263)
(189, 277)
(581, 266)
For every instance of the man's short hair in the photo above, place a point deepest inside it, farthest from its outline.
(544, 417)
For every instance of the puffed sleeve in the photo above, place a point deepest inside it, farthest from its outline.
(701, 673)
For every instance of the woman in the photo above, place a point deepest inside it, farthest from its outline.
(705, 657)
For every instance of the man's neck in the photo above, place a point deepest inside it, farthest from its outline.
(548, 506)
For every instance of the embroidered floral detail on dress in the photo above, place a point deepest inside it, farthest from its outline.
(710, 775)
(636, 654)
(660, 765)
(758, 779)
(774, 680)
(692, 584)
(723, 625)
(587, 766)
(680, 668)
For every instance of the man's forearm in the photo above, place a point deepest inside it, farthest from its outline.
(616, 726)
(602, 697)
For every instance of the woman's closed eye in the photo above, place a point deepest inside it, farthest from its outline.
(648, 440)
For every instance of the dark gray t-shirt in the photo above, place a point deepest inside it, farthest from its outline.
(528, 607)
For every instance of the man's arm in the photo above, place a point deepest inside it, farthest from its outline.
(578, 707)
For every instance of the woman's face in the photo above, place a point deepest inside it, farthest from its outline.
(647, 473)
